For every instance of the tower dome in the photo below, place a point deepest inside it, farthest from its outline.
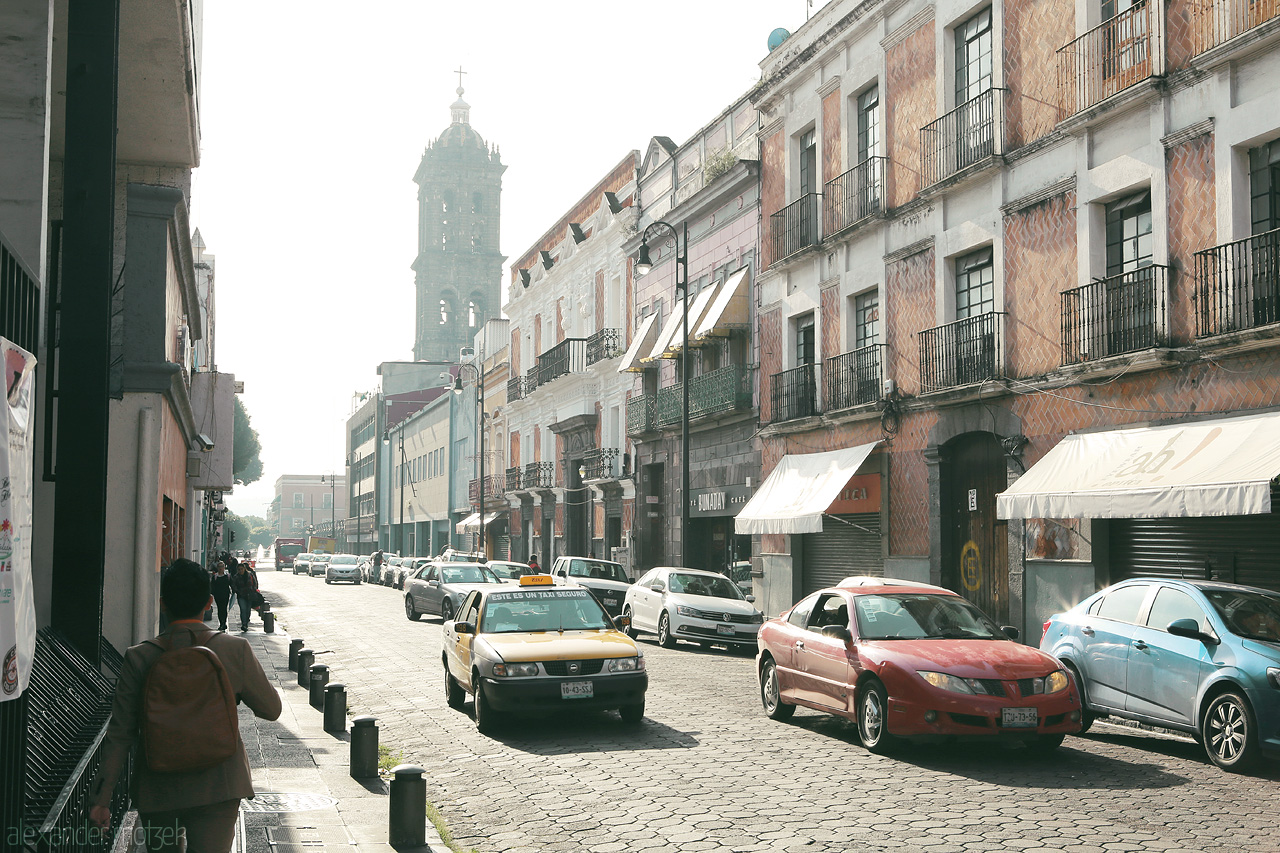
(459, 134)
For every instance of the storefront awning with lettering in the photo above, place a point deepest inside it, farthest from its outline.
(1217, 467)
(641, 343)
(793, 498)
(471, 524)
(729, 310)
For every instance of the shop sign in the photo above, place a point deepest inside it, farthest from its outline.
(720, 500)
(860, 494)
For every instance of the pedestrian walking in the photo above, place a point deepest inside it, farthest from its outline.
(533, 564)
(190, 800)
(220, 584)
(245, 585)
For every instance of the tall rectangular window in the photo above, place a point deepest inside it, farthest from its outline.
(297, 500)
(975, 285)
(866, 311)
(805, 340)
(868, 123)
(326, 502)
(973, 57)
(1131, 286)
(808, 164)
(1264, 187)
(1129, 241)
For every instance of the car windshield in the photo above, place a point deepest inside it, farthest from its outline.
(542, 610)
(467, 574)
(1248, 613)
(922, 616)
(304, 556)
(597, 569)
(344, 560)
(508, 570)
(712, 586)
(324, 558)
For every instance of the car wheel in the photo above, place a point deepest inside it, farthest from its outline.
(326, 580)
(446, 611)
(633, 713)
(1086, 716)
(486, 717)
(771, 693)
(454, 695)
(630, 630)
(410, 610)
(664, 632)
(1229, 733)
(1045, 743)
(873, 719)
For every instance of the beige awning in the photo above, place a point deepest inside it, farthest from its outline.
(697, 310)
(672, 327)
(642, 342)
(729, 310)
(1216, 467)
(796, 494)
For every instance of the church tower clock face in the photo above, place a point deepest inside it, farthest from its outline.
(458, 268)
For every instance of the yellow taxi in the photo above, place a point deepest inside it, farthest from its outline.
(540, 647)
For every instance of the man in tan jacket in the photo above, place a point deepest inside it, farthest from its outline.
(199, 805)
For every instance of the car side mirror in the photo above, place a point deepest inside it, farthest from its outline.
(464, 627)
(1009, 631)
(751, 598)
(838, 632)
(1190, 629)
(659, 586)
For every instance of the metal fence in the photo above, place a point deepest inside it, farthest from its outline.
(969, 134)
(605, 343)
(794, 228)
(1238, 285)
(539, 475)
(642, 414)
(1215, 22)
(963, 352)
(1108, 59)
(601, 463)
(492, 488)
(19, 299)
(854, 196)
(513, 479)
(568, 356)
(722, 390)
(1119, 314)
(515, 389)
(532, 378)
(855, 378)
(793, 393)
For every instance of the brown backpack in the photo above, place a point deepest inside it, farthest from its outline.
(189, 719)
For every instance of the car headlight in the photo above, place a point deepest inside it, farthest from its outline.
(635, 664)
(686, 611)
(757, 618)
(515, 670)
(942, 681)
(1054, 682)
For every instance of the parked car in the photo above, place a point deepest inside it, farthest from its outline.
(318, 563)
(406, 567)
(508, 570)
(691, 604)
(912, 661)
(342, 567)
(302, 564)
(1196, 656)
(389, 566)
(606, 579)
(451, 555)
(440, 587)
(537, 648)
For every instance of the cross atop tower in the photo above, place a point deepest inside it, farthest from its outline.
(460, 72)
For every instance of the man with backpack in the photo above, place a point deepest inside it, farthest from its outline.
(176, 697)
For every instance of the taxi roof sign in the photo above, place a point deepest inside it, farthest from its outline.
(536, 580)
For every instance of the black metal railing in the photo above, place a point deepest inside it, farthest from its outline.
(1113, 315)
(1238, 285)
(513, 479)
(601, 464)
(962, 352)
(568, 356)
(723, 390)
(1108, 59)
(795, 227)
(492, 488)
(605, 343)
(515, 389)
(793, 393)
(1215, 22)
(854, 196)
(19, 299)
(855, 378)
(969, 134)
(642, 414)
(532, 378)
(539, 475)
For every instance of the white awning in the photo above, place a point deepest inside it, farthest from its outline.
(1218, 467)
(671, 328)
(729, 310)
(793, 498)
(471, 523)
(642, 342)
(697, 310)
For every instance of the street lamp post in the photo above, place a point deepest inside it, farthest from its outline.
(333, 503)
(457, 389)
(643, 265)
(386, 440)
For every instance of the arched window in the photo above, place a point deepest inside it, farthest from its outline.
(446, 309)
(473, 314)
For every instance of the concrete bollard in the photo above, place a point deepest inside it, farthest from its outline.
(268, 621)
(335, 707)
(294, 646)
(305, 658)
(408, 819)
(319, 678)
(364, 747)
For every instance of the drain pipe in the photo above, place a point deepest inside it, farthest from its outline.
(144, 528)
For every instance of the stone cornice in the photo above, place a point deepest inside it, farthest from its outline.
(1188, 133)
(1055, 189)
(903, 32)
(907, 251)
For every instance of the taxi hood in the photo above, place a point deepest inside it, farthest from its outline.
(1006, 660)
(569, 645)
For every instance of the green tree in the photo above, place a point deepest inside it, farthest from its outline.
(246, 464)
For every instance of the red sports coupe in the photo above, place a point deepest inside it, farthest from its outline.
(912, 661)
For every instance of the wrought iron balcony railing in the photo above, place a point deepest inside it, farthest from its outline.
(1216, 22)
(1108, 59)
(968, 135)
(1238, 285)
(539, 475)
(795, 227)
(793, 393)
(642, 414)
(492, 488)
(19, 300)
(856, 195)
(855, 378)
(962, 352)
(605, 343)
(1119, 314)
(568, 356)
(601, 464)
(722, 390)
(531, 379)
(515, 389)
(513, 479)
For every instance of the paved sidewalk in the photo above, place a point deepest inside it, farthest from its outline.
(295, 757)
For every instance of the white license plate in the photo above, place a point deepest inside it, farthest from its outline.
(1019, 718)
(576, 690)
(725, 629)
(609, 602)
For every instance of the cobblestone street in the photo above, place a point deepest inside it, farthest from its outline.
(708, 771)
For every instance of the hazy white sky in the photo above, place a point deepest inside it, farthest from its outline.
(315, 115)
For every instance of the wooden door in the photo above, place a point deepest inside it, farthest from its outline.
(974, 542)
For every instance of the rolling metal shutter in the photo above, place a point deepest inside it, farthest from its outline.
(841, 550)
(502, 547)
(1237, 549)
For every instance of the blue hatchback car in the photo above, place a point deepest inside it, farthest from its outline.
(1198, 656)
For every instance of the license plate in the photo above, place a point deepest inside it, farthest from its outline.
(1018, 718)
(725, 629)
(576, 690)
(609, 602)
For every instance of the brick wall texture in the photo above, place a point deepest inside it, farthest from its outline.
(771, 343)
(1039, 263)
(773, 187)
(910, 104)
(832, 137)
(908, 308)
(514, 456)
(600, 303)
(830, 323)
(515, 352)
(1033, 32)
(1192, 227)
